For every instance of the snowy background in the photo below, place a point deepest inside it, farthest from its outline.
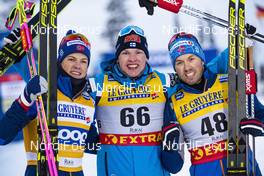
(90, 18)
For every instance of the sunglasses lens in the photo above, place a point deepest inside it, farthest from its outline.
(126, 30)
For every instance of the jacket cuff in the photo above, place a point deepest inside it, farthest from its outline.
(23, 102)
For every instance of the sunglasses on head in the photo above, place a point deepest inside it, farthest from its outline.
(76, 37)
(126, 30)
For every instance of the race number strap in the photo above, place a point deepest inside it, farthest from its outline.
(144, 139)
(209, 152)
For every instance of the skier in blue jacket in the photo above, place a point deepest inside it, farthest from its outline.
(199, 109)
(75, 106)
(130, 101)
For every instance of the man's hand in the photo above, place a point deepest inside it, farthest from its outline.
(148, 5)
(35, 87)
(172, 6)
(171, 134)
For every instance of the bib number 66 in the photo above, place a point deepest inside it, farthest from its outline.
(129, 116)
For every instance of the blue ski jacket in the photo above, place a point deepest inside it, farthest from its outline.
(76, 127)
(130, 147)
(130, 120)
(209, 166)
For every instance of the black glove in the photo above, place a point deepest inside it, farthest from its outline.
(171, 135)
(252, 126)
(148, 5)
(250, 30)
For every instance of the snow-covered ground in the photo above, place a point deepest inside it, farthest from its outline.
(89, 17)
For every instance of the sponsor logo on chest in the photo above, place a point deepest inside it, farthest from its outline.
(201, 102)
(74, 111)
(122, 93)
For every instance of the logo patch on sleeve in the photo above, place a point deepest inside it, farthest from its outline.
(179, 95)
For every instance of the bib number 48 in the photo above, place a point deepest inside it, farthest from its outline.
(219, 124)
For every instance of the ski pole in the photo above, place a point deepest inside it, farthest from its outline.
(204, 13)
(39, 103)
(219, 21)
(258, 37)
(28, 47)
(214, 17)
(251, 87)
(188, 12)
(172, 6)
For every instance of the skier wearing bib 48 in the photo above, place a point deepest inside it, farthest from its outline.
(200, 107)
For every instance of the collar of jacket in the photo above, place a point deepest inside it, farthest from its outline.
(64, 84)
